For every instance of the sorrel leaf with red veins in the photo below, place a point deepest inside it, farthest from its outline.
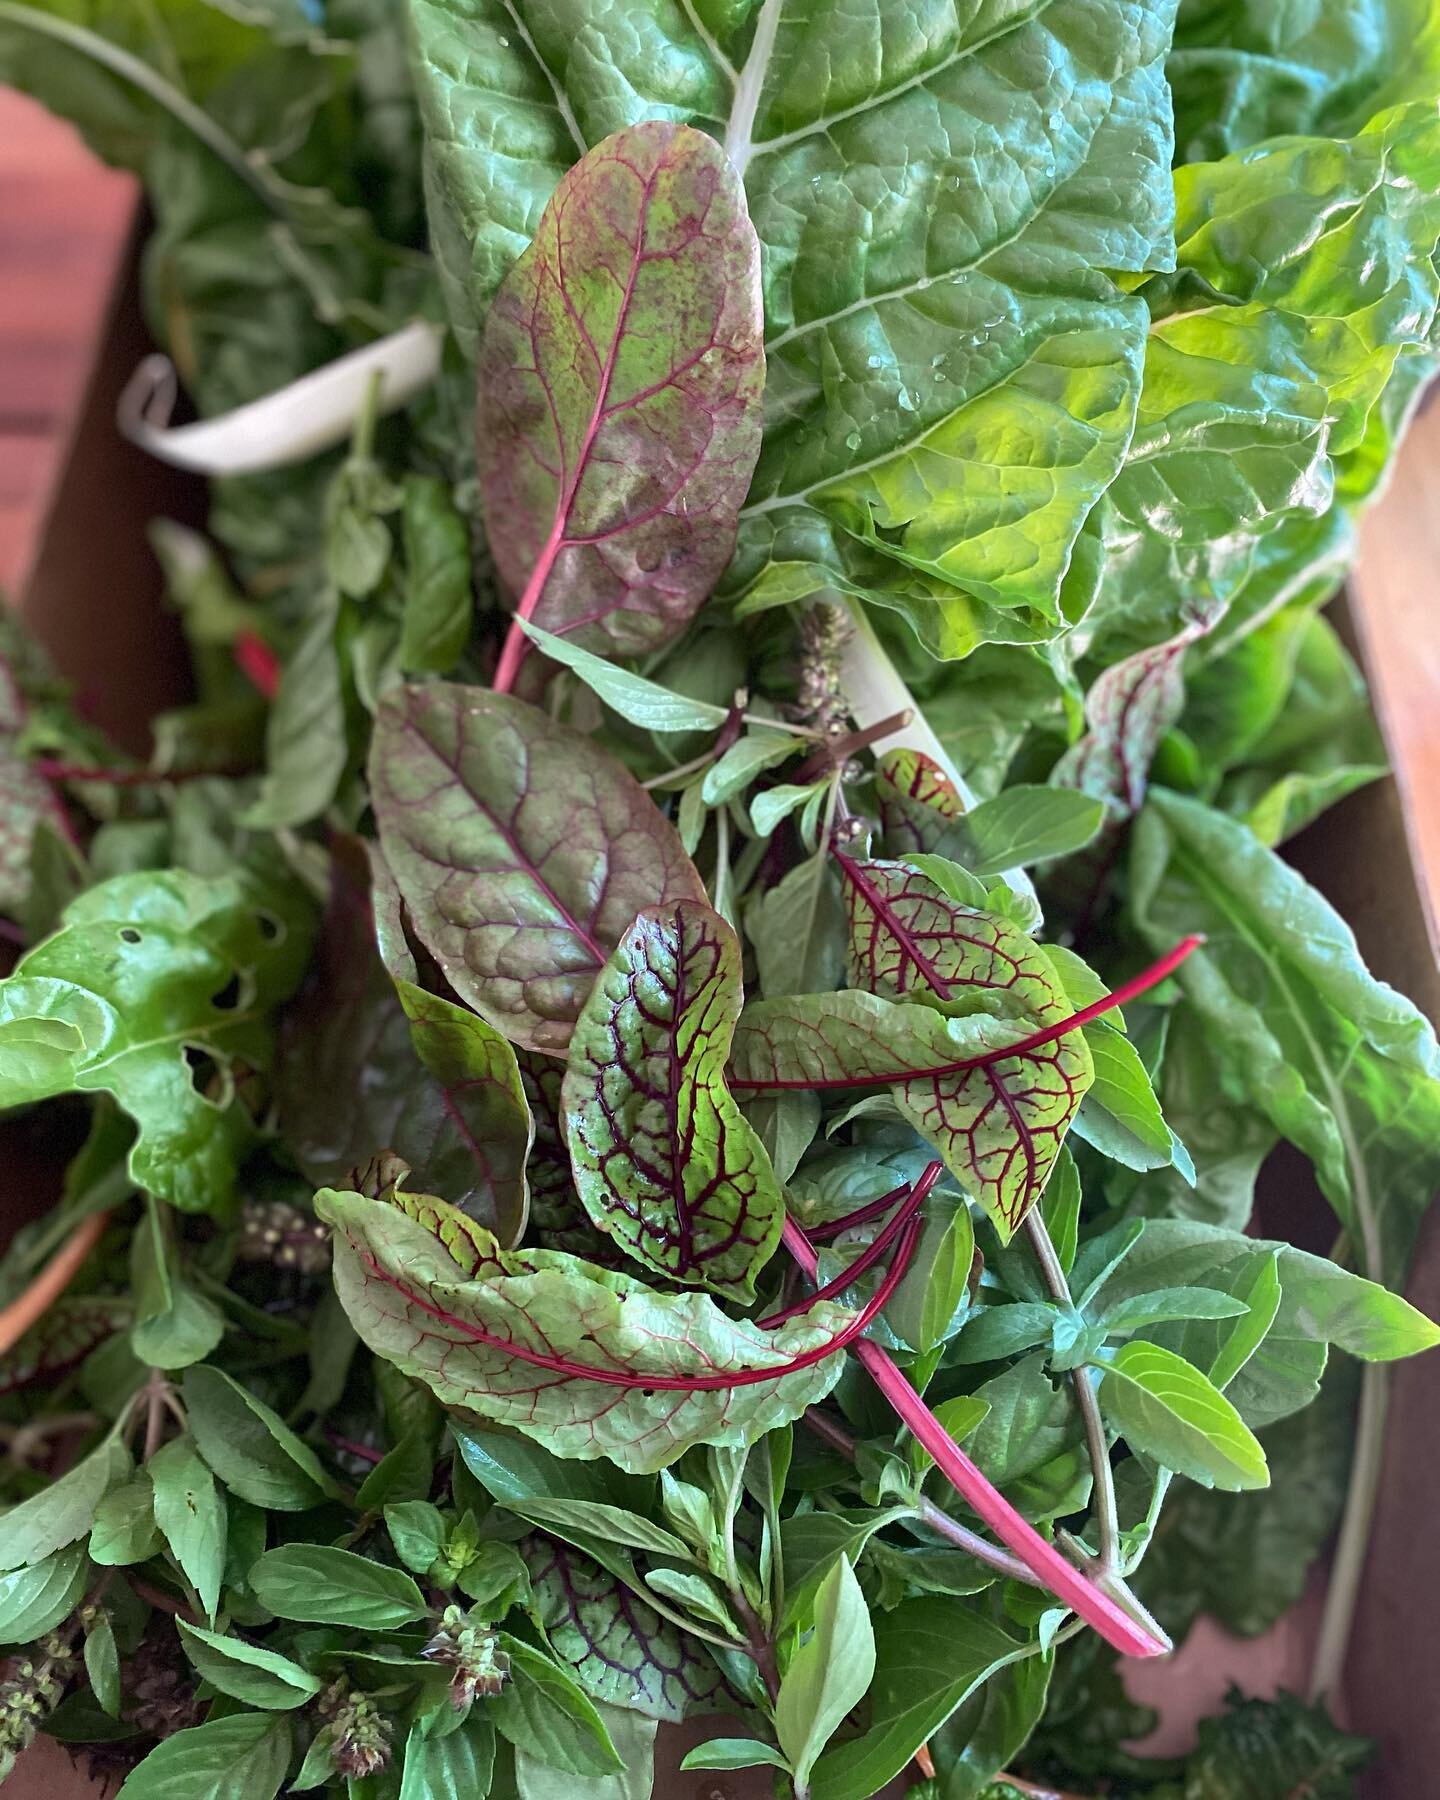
(370, 1064)
(522, 850)
(620, 376)
(66, 1334)
(920, 807)
(612, 1641)
(1127, 712)
(415, 1305)
(663, 1157)
(998, 1127)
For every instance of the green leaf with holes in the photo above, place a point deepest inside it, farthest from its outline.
(158, 988)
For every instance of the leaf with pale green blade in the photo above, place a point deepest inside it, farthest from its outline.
(328, 1586)
(987, 1732)
(644, 703)
(1164, 1407)
(930, 1654)
(102, 1663)
(633, 1736)
(34, 1599)
(447, 1765)
(125, 1531)
(439, 605)
(592, 1518)
(246, 1671)
(1120, 1115)
(242, 1757)
(1261, 1297)
(63, 1511)
(1025, 825)
(147, 972)
(547, 1715)
(190, 1512)
(250, 1447)
(614, 1643)
(733, 1753)
(829, 1673)
(620, 373)
(664, 1160)
(486, 805)
(1340, 1063)
(414, 1303)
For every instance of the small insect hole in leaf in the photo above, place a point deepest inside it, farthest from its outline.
(270, 927)
(228, 997)
(129, 935)
(210, 1080)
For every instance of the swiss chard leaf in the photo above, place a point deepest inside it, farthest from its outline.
(523, 851)
(158, 989)
(664, 1159)
(620, 374)
(449, 1322)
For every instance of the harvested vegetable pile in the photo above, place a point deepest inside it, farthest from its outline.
(667, 1064)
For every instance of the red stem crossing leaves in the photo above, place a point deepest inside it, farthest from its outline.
(1126, 992)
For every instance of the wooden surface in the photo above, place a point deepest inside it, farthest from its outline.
(1395, 607)
(64, 227)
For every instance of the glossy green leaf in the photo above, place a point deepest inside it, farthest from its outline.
(417, 1530)
(491, 817)
(63, 1511)
(930, 1653)
(548, 1716)
(1340, 1063)
(335, 1587)
(829, 1673)
(125, 1531)
(191, 1515)
(664, 1160)
(1025, 825)
(439, 606)
(732, 1753)
(157, 989)
(451, 1763)
(250, 1447)
(393, 1274)
(620, 374)
(1164, 1407)
(644, 703)
(34, 1599)
(1261, 1297)
(247, 1671)
(242, 1757)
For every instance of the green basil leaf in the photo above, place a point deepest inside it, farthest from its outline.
(64, 1511)
(1164, 1407)
(448, 1765)
(246, 1671)
(191, 1515)
(829, 1673)
(102, 1664)
(644, 703)
(250, 1447)
(1025, 825)
(242, 1757)
(439, 606)
(634, 1738)
(335, 1587)
(125, 1531)
(732, 1753)
(548, 1716)
(595, 1519)
(34, 1599)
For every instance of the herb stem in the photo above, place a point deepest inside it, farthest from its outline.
(47, 1287)
(1348, 1568)
(758, 1642)
(1107, 1517)
(1048, 1566)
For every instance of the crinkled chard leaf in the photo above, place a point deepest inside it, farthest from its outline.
(620, 375)
(371, 1064)
(157, 988)
(952, 383)
(664, 1159)
(616, 1646)
(523, 851)
(419, 1296)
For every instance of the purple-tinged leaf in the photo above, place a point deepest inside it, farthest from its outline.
(612, 1641)
(369, 1065)
(920, 807)
(620, 377)
(523, 851)
(69, 1331)
(461, 1328)
(1127, 711)
(664, 1159)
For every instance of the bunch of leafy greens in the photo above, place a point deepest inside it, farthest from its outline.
(635, 1156)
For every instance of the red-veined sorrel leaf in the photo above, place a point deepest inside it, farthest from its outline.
(370, 1064)
(558, 1219)
(663, 1157)
(999, 1125)
(521, 848)
(617, 1646)
(920, 807)
(460, 1327)
(69, 1331)
(620, 377)
(1127, 711)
